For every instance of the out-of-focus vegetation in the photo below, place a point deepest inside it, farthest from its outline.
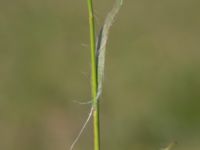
(152, 83)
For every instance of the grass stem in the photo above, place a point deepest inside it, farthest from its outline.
(94, 77)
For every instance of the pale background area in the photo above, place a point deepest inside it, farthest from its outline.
(151, 94)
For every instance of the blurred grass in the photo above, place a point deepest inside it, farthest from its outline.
(152, 81)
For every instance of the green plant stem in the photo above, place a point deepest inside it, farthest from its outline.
(94, 77)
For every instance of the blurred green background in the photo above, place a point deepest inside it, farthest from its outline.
(151, 91)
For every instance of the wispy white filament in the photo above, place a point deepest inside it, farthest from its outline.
(101, 43)
(82, 129)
